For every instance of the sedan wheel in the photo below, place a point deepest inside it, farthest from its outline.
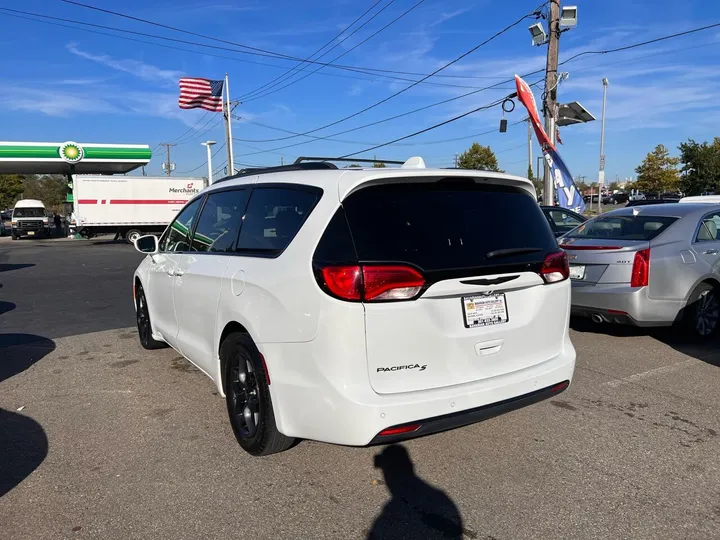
(707, 313)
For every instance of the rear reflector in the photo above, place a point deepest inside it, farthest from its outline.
(587, 248)
(373, 283)
(641, 269)
(616, 312)
(555, 267)
(399, 430)
(560, 387)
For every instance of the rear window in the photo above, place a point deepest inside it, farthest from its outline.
(623, 227)
(447, 225)
(29, 212)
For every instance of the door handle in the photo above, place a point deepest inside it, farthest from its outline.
(710, 252)
(178, 273)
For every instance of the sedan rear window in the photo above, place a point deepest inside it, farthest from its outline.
(448, 225)
(623, 227)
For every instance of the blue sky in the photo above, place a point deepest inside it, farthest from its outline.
(60, 84)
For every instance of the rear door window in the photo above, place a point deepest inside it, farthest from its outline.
(625, 227)
(219, 223)
(273, 218)
(563, 221)
(708, 228)
(450, 225)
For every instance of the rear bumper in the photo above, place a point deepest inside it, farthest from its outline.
(308, 404)
(472, 416)
(624, 305)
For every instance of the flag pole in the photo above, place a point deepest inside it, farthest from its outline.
(228, 128)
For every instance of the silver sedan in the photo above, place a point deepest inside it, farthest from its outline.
(648, 266)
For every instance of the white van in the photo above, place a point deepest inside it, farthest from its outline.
(29, 218)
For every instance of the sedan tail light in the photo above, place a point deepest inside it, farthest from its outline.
(372, 283)
(641, 269)
(555, 267)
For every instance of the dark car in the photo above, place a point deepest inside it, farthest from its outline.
(651, 201)
(619, 198)
(562, 220)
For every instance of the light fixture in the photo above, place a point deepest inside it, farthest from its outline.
(539, 37)
(568, 17)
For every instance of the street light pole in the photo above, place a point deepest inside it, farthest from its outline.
(208, 144)
(601, 173)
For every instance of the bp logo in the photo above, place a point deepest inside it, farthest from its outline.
(71, 152)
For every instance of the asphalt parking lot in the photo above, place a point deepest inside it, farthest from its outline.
(100, 439)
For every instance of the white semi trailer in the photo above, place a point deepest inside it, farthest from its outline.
(129, 206)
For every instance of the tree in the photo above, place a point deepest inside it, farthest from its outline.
(480, 158)
(701, 166)
(379, 165)
(613, 186)
(658, 171)
(11, 185)
(50, 189)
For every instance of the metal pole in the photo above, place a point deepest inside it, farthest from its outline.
(601, 173)
(228, 127)
(529, 146)
(168, 164)
(551, 75)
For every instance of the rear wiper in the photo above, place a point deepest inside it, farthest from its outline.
(511, 251)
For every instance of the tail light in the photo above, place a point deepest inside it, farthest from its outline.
(555, 267)
(641, 269)
(399, 430)
(372, 283)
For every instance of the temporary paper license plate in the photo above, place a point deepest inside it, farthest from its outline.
(485, 310)
(577, 272)
(31, 233)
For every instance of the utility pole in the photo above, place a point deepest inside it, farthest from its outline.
(601, 173)
(551, 83)
(530, 163)
(455, 156)
(228, 126)
(168, 164)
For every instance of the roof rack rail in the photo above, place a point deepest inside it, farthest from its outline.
(326, 159)
(313, 166)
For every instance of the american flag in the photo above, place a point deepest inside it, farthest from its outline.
(202, 93)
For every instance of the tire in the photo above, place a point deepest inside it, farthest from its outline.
(132, 235)
(247, 396)
(15, 237)
(702, 313)
(142, 316)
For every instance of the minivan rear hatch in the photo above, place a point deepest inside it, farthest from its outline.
(453, 286)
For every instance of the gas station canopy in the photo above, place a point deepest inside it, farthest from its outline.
(71, 158)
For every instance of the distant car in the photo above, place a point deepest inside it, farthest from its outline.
(651, 201)
(638, 197)
(562, 220)
(653, 265)
(2, 228)
(619, 198)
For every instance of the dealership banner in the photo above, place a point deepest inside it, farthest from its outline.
(566, 191)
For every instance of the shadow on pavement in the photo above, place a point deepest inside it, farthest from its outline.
(7, 267)
(20, 351)
(6, 306)
(23, 447)
(706, 350)
(416, 510)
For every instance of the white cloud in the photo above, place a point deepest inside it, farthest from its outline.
(444, 17)
(133, 67)
(53, 102)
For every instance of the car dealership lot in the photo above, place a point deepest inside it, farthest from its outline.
(115, 442)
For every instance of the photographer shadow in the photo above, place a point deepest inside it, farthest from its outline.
(416, 509)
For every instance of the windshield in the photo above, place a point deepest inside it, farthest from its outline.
(29, 212)
(623, 227)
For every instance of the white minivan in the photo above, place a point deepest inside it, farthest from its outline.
(361, 306)
(29, 218)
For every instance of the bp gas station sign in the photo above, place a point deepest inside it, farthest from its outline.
(71, 158)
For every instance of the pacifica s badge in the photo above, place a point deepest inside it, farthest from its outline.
(400, 368)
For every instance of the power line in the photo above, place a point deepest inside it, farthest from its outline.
(343, 54)
(252, 50)
(435, 126)
(370, 73)
(444, 66)
(304, 64)
(204, 162)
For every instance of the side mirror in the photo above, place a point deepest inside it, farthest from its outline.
(148, 244)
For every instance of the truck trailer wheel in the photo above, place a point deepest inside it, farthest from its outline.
(132, 235)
